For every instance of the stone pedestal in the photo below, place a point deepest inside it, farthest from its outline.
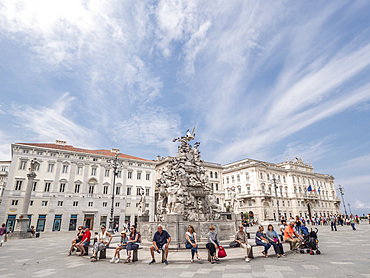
(144, 218)
(20, 230)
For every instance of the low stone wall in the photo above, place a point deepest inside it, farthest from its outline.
(177, 228)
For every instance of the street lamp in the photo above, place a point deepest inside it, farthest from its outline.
(341, 191)
(114, 164)
(277, 200)
(349, 208)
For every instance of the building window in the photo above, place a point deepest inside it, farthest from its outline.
(128, 190)
(47, 186)
(117, 204)
(107, 172)
(119, 174)
(90, 204)
(249, 202)
(130, 163)
(129, 175)
(138, 176)
(105, 204)
(40, 153)
(66, 156)
(216, 186)
(75, 203)
(105, 190)
(50, 168)
(44, 203)
(237, 178)
(247, 176)
(34, 185)
(22, 165)
(248, 189)
(227, 180)
(147, 177)
(284, 179)
(95, 159)
(93, 171)
(283, 203)
(18, 185)
(91, 189)
(31, 203)
(239, 190)
(215, 175)
(52, 154)
(79, 170)
(81, 158)
(268, 176)
(211, 175)
(118, 190)
(263, 189)
(138, 191)
(232, 179)
(65, 169)
(293, 179)
(62, 187)
(14, 202)
(147, 191)
(60, 203)
(128, 205)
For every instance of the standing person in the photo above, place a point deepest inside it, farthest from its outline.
(132, 244)
(116, 228)
(213, 243)
(262, 240)
(241, 238)
(2, 233)
(161, 240)
(122, 245)
(245, 225)
(289, 234)
(274, 239)
(104, 240)
(85, 241)
(77, 240)
(282, 221)
(353, 222)
(298, 224)
(333, 223)
(282, 228)
(191, 242)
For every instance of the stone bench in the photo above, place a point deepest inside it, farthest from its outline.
(103, 253)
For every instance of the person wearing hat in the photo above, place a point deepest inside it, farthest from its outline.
(122, 245)
(85, 241)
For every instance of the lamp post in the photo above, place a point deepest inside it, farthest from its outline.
(349, 206)
(114, 165)
(276, 196)
(341, 191)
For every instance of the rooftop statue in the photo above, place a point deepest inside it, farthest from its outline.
(184, 187)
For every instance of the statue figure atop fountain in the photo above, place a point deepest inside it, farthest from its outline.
(185, 185)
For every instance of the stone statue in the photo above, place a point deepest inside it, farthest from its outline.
(33, 166)
(142, 204)
(184, 187)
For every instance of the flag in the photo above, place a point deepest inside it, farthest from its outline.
(319, 190)
(309, 188)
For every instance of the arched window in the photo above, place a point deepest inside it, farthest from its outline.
(215, 175)
(211, 174)
(263, 189)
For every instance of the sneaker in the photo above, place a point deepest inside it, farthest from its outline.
(247, 260)
(113, 260)
(117, 261)
(165, 262)
(152, 262)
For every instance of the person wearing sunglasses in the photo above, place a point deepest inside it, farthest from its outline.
(213, 243)
(132, 244)
(104, 240)
(77, 240)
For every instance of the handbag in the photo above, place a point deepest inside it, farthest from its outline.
(234, 244)
(221, 252)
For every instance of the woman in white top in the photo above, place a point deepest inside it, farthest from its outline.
(104, 239)
(191, 242)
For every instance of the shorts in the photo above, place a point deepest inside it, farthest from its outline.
(78, 240)
(86, 243)
(161, 248)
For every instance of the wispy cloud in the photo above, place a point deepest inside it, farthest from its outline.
(361, 205)
(46, 124)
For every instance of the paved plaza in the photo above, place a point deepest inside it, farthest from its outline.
(345, 253)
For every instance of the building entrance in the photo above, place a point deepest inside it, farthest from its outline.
(89, 221)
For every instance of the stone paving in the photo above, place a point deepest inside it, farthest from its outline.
(345, 253)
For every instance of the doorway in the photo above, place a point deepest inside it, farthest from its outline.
(41, 223)
(309, 211)
(73, 222)
(10, 222)
(57, 223)
(89, 221)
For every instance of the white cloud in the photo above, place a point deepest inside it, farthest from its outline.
(46, 124)
(361, 205)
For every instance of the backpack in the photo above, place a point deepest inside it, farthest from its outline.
(139, 238)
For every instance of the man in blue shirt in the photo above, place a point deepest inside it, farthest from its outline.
(161, 240)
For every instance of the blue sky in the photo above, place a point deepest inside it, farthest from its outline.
(259, 79)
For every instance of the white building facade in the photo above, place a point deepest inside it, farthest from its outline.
(4, 171)
(74, 187)
(249, 185)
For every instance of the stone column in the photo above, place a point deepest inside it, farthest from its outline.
(22, 221)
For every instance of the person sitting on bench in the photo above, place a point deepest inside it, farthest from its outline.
(161, 240)
(241, 238)
(77, 240)
(132, 244)
(275, 241)
(213, 243)
(84, 242)
(102, 243)
(261, 240)
(191, 242)
(122, 245)
(289, 232)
